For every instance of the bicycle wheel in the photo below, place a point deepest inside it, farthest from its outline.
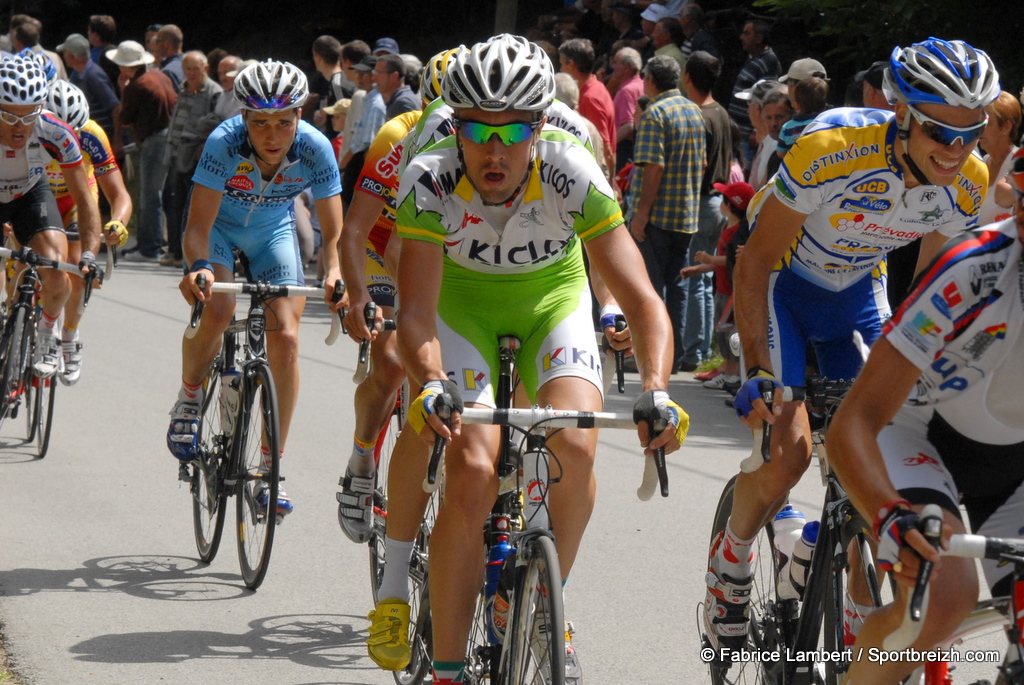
(209, 494)
(13, 359)
(481, 656)
(534, 653)
(770, 618)
(258, 473)
(42, 399)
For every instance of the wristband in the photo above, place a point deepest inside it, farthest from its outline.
(608, 314)
(885, 513)
(87, 256)
(200, 264)
(759, 372)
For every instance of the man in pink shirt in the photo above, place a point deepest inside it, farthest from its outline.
(576, 58)
(626, 65)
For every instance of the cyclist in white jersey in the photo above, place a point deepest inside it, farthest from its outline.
(855, 186)
(29, 138)
(935, 417)
(492, 220)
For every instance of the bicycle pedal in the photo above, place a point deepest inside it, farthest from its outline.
(184, 474)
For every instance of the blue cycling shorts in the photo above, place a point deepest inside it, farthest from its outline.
(273, 253)
(800, 312)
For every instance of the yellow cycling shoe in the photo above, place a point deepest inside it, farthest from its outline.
(388, 643)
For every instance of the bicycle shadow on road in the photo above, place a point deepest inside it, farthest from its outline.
(329, 641)
(145, 576)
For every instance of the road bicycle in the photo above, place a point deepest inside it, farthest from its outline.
(524, 642)
(19, 384)
(806, 636)
(239, 433)
(1003, 615)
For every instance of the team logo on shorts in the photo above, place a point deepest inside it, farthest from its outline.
(473, 379)
(923, 459)
(554, 358)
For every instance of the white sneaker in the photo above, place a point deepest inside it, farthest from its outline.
(72, 362)
(720, 381)
(47, 356)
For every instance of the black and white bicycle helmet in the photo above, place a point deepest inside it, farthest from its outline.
(68, 102)
(44, 62)
(270, 85)
(22, 82)
(941, 72)
(504, 73)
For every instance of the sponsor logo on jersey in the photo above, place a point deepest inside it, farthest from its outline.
(474, 379)
(244, 168)
(532, 216)
(925, 325)
(241, 182)
(831, 159)
(387, 167)
(865, 203)
(557, 179)
(923, 459)
(783, 188)
(872, 187)
(982, 340)
(281, 178)
(850, 245)
(973, 191)
(932, 215)
(468, 219)
(531, 252)
(371, 186)
(9, 154)
(928, 196)
(985, 275)
(439, 186)
(858, 223)
(948, 298)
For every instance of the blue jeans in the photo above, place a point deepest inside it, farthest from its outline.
(152, 175)
(664, 254)
(700, 290)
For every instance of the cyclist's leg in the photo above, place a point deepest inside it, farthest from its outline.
(72, 346)
(283, 316)
(916, 469)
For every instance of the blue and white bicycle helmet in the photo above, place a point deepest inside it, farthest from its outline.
(270, 85)
(504, 73)
(941, 72)
(21, 82)
(44, 62)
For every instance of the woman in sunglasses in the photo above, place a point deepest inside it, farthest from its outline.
(494, 220)
(29, 139)
(858, 184)
(252, 168)
(937, 419)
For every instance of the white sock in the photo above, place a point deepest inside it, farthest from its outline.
(360, 463)
(68, 336)
(735, 554)
(47, 324)
(395, 583)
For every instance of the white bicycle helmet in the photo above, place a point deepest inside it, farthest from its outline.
(941, 72)
(22, 82)
(68, 102)
(44, 62)
(433, 73)
(270, 85)
(503, 73)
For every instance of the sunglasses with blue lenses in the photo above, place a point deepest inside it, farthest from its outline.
(509, 134)
(943, 133)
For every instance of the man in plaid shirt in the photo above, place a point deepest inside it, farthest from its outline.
(669, 156)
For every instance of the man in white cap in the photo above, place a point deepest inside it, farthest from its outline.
(147, 101)
(803, 69)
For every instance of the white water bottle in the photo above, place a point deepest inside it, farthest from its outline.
(230, 389)
(788, 525)
(535, 489)
(802, 552)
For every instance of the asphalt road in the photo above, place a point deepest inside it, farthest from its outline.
(99, 579)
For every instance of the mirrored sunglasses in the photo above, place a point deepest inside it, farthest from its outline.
(509, 134)
(12, 119)
(943, 133)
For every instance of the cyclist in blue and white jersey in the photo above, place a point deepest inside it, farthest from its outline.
(493, 222)
(29, 138)
(252, 168)
(856, 185)
(936, 418)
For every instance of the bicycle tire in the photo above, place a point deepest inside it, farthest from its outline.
(767, 631)
(33, 389)
(43, 400)
(534, 650)
(257, 427)
(386, 440)
(12, 362)
(207, 489)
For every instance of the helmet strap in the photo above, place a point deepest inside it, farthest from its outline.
(904, 135)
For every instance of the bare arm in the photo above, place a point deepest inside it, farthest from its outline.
(362, 215)
(89, 228)
(112, 185)
(931, 243)
(196, 240)
(328, 210)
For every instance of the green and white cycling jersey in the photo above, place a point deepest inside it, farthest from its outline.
(512, 270)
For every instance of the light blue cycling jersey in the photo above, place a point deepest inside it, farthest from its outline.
(228, 165)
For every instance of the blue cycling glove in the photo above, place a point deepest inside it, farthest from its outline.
(751, 390)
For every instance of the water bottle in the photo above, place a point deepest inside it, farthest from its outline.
(230, 389)
(499, 549)
(788, 525)
(499, 608)
(802, 552)
(535, 489)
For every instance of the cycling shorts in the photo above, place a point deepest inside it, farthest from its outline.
(549, 311)
(273, 253)
(34, 212)
(800, 312)
(379, 283)
(929, 462)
